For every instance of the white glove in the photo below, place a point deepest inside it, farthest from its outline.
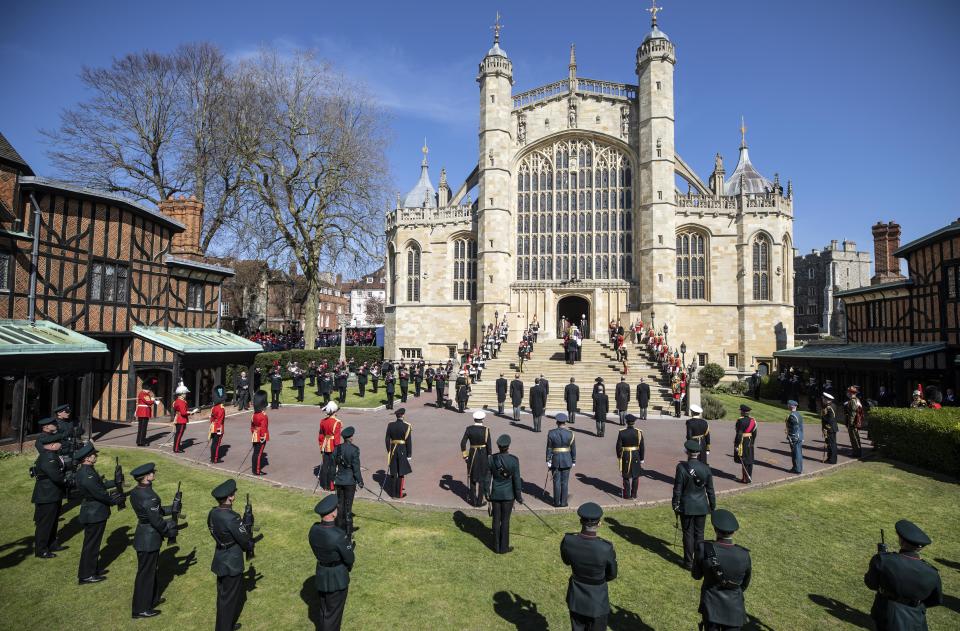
(574, 464)
(548, 464)
(641, 462)
(409, 458)
(708, 452)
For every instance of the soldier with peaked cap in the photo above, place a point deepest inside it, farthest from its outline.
(743, 443)
(399, 444)
(49, 489)
(504, 487)
(68, 429)
(699, 430)
(571, 396)
(348, 478)
(276, 387)
(428, 376)
(404, 383)
(905, 584)
(390, 386)
(476, 448)
(441, 384)
(516, 397)
(217, 416)
(362, 377)
(794, 432)
(417, 378)
(693, 498)
(501, 388)
(326, 386)
(94, 512)
(725, 569)
(853, 414)
(828, 425)
(231, 539)
(340, 382)
(259, 431)
(593, 563)
(329, 438)
(375, 377)
(335, 558)
(463, 394)
(561, 457)
(151, 530)
(630, 455)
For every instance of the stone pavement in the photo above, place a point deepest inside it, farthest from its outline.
(439, 473)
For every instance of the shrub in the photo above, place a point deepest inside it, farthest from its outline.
(712, 408)
(710, 375)
(927, 438)
(739, 387)
(770, 387)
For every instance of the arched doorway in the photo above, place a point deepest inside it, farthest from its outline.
(576, 310)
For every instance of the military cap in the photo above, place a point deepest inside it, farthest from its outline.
(793, 403)
(46, 421)
(744, 407)
(631, 419)
(503, 440)
(692, 445)
(561, 417)
(827, 396)
(225, 489)
(326, 506)
(911, 533)
(724, 521)
(143, 470)
(347, 432)
(87, 449)
(695, 409)
(599, 379)
(62, 408)
(48, 439)
(479, 415)
(400, 412)
(590, 511)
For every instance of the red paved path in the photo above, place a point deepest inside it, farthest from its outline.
(439, 477)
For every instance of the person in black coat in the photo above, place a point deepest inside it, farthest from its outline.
(276, 387)
(643, 398)
(346, 457)
(744, 442)
(630, 453)
(375, 378)
(232, 539)
(441, 388)
(362, 377)
(699, 430)
(94, 512)
(501, 386)
(389, 385)
(340, 381)
(463, 394)
(516, 397)
(399, 444)
(49, 489)
(545, 385)
(593, 563)
(404, 384)
(725, 569)
(148, 537)
(504, 487)
(326, 387)
(417, 379)
(298, 382)
(538, 404)
(693, 498)
(428, 376)
(622, 397)
(571, 396)
(476, 448)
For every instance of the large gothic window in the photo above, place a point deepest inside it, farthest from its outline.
(691, 266)
(465, 269)
(413, 273)
(761, 268)
(582, 194)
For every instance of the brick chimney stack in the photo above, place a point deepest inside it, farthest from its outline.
(886, 241)
(189, 212)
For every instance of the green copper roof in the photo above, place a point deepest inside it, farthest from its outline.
(197, 340)
(860, 352)
(19, 337)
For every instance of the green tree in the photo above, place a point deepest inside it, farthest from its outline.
(710, 375)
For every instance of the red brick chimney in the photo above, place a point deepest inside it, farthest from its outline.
(189, 212)
(886, 241)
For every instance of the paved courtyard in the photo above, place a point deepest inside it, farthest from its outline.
(439, 473)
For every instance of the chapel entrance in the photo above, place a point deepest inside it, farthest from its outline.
(573, 310)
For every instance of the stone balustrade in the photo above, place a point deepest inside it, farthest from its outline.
(698, 202)
(583, 87)
(427, 216)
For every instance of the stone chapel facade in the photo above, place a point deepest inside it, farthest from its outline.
(576, 212)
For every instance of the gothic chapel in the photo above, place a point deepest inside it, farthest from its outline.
(576, 212)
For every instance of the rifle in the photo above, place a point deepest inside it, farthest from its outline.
(882, 546)
(248, 524)
(242, 462)
(676, 528)
(175, 514)
(118, 485)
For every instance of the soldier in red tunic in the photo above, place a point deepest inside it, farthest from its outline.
(181, 414)
(217, 416)
(259, 432)
(329, 438)
(145, 405)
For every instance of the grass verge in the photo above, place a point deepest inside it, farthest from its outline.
(765, 410)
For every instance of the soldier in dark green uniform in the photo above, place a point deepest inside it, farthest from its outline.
(593, 563)
(828, 425)
(94, 512)
(334, 553)
(49, 489)
(504, 487)
(905, 584)
(326, 387)
(232, 540)
(725, 570)
(151, 529)
(68, 431)
(346, 457)
(630, 453)
(693, 498)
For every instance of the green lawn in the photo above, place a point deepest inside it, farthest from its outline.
(811, 541)
(763, 410)
(369, 400)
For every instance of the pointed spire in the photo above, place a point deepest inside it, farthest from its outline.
(572, 76)
(743, 134)
(573, 56)
(497, 27)
(425, 151)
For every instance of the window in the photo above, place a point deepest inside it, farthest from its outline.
(413, 274)
(761, 268)
(6, 271)
(194, 296)
(732, 360)
(811, 291)
(953, 282)
(702, 359)
(465, 268)
(691, 266)
(224, 308)
(411, 353)
(109, 282)
(369, 281)
(875, 315)
(811, 309)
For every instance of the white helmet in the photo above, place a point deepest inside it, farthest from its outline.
(331, 408)
(182, 389)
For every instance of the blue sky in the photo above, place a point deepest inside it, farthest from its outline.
(855, 101)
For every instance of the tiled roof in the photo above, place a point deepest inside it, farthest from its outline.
(860, 352)
(933, 237)
(8, 153)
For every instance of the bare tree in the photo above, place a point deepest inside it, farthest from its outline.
(373, 307)
(311, 148)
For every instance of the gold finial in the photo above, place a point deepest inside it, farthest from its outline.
(654, 9)
(497, 27)
(743, 133)
(425, 150)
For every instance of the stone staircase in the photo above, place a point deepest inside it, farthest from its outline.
(597, 360)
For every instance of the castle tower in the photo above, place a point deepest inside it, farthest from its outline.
(495, 230)
(656, 240)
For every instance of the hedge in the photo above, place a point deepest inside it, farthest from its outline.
(927, 438)
(713, 409)
(710, 375)
(264, 361)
